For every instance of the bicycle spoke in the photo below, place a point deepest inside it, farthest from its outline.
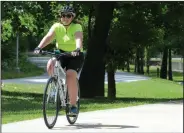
(50, 103)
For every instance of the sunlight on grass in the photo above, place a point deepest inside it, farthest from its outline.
(23, 102)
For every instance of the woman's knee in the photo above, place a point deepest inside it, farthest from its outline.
(50, 64)
(71, 73)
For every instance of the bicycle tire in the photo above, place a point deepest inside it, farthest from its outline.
(50, 125)
(68, 108)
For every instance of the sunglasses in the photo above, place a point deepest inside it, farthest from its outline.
(66, 15)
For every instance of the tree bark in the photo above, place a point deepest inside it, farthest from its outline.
(128, 65)
(135, 67)
(163, 71)
(170, 65)
(92, 75)
(111, 85)
(89, 21)
(147, 61)
(142, 61)
(138, 61)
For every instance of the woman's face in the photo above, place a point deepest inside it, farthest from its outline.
(66, 18)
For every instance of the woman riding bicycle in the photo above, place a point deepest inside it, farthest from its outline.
(69, 38)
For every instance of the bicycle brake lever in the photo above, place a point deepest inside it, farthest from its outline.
(42, 52)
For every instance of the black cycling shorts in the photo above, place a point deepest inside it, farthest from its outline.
(74, 63)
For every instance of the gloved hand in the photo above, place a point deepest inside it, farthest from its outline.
(37, 50)
(76, 52)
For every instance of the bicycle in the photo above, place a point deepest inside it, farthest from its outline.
(58, 94)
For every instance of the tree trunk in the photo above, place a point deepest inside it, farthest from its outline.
(147, 69)
(163, 71)
(128, 66)
(170, 65)
(111, 85)
(138, 61)
(135, 67)
(123, 66)
(89, 21)
(142, 61)
(2, 10)
(92, 75)
(147, 61)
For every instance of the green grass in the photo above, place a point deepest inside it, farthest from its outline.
(23, 102)
(14, 74)
(173, 60)
(151, 89)
(177, 76)
(27, 69)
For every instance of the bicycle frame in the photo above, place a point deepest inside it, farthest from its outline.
(61, 86)
(58, 92)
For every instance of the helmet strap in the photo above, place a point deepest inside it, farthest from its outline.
(68, 24)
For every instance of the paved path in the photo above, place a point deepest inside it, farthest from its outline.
(162, 117)
(119, 77)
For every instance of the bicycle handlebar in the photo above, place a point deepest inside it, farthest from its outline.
(57, 55)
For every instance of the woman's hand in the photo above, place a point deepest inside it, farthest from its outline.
(37, 50)
(76, 52)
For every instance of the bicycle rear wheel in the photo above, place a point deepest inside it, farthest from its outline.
(73, 118)
(50, 103)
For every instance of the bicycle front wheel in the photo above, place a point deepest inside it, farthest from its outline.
(50, 103)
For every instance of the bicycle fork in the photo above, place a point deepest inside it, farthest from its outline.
(62, 94)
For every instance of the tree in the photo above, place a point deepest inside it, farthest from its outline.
(92, 75)
(171, 20)
(16, 20)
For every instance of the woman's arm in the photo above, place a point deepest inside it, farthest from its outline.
(79, 39)
(47, 39)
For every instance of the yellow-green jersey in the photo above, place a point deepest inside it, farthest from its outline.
(65, 38)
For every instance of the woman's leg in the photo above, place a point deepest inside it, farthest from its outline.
(73, 66)
(50, 66)
(71, 76)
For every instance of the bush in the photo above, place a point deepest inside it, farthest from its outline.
(26, 68)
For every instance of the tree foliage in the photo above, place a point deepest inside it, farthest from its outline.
(138, 31)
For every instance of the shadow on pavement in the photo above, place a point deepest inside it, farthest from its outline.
(95, 125)
(174, 102)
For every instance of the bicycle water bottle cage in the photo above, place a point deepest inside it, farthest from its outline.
(57, 52)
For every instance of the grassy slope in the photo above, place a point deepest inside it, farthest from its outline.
(23, 102)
